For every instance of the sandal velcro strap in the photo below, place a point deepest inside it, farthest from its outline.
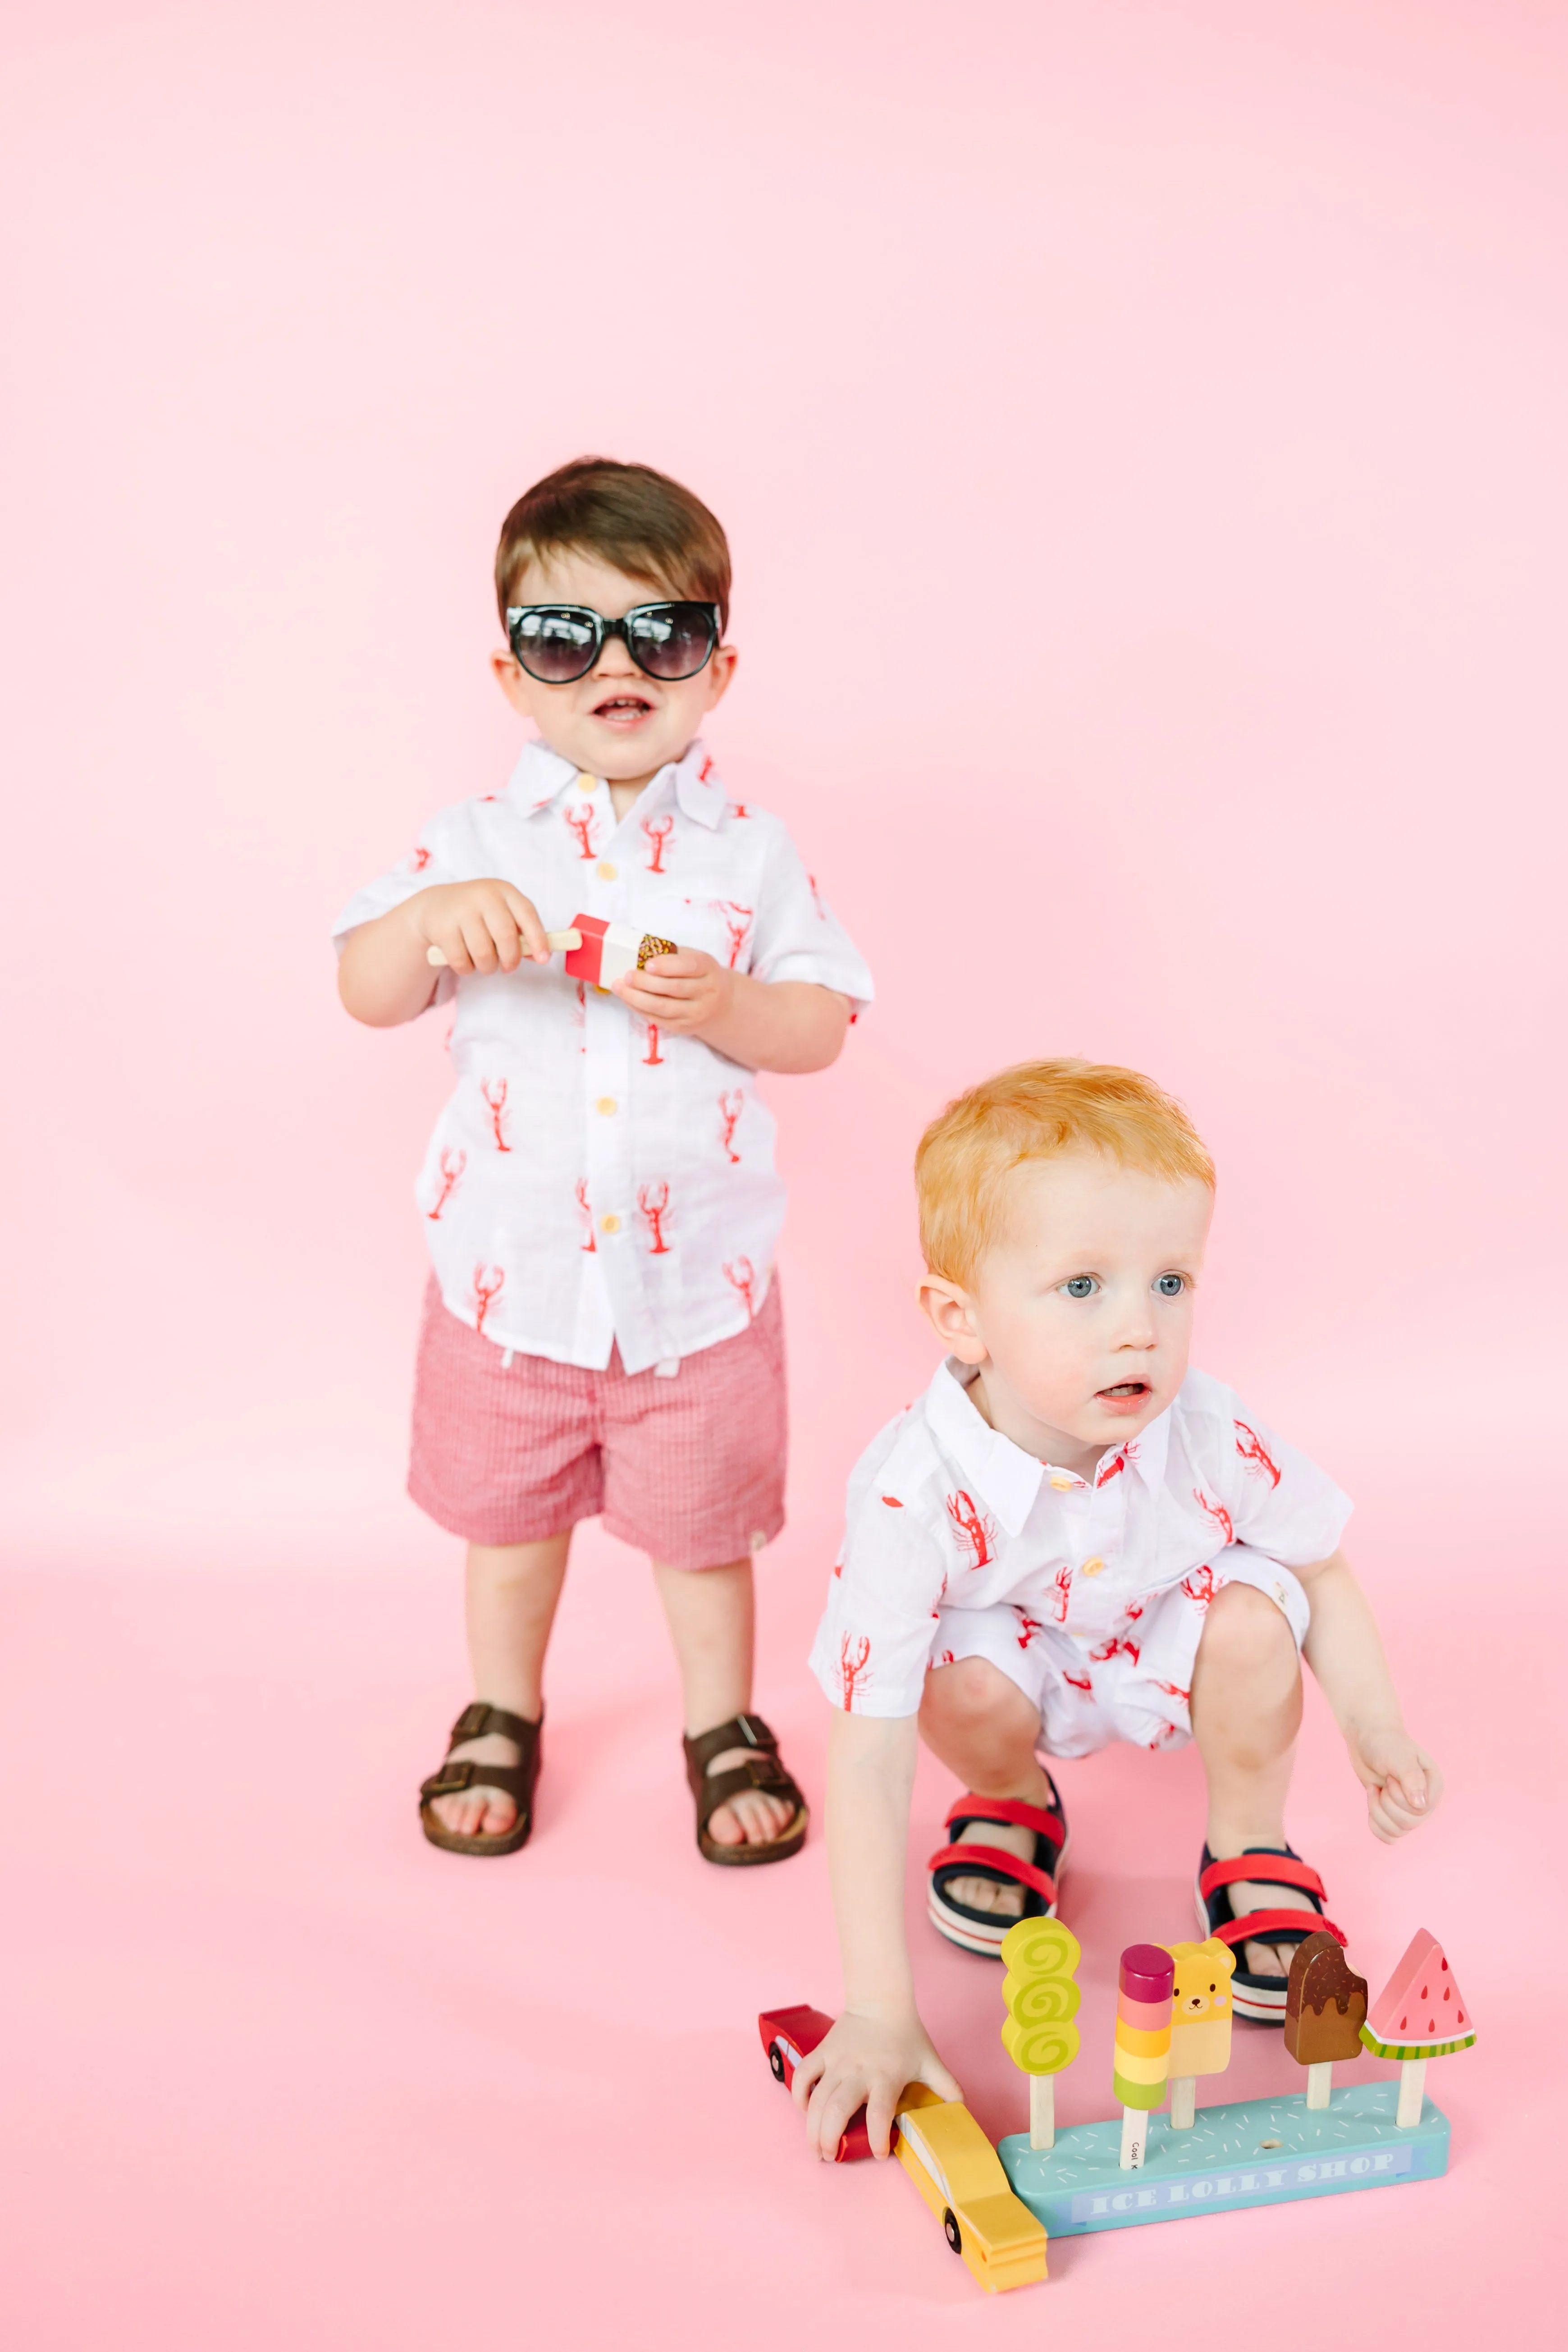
(1008, 1809)
(741, 1731)
(995, 1860)
(513, 1780)
(1268, 1927)
(479, 1718)
(1261, 1869)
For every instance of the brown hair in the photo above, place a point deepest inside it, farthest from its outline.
(1033, 1111)
(645, 524)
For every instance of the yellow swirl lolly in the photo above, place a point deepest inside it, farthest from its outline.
(1042, 1998)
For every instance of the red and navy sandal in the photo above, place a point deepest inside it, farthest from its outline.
(1260, 1998)
(982, 1931)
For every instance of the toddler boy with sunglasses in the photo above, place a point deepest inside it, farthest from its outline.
(602, 1329)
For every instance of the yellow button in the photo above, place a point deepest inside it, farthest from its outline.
(1093, 1566)
(610, 1224)
(605, 1106)
(606, 871)
(587, 783)
(1063, 1485)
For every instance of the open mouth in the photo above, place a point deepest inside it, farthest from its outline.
(1125, 1397)
(623, 710)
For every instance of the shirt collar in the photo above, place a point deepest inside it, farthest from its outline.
(1008, 1478)
(541, 775)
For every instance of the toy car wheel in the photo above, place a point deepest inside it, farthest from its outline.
(776, 2060)
(950, 2231)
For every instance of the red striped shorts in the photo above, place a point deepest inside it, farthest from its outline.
(689, 1469)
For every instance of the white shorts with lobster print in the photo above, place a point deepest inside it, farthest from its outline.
(1135, 1687)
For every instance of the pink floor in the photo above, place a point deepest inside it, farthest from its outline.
(280, 2075)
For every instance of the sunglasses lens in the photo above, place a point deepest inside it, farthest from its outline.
(672, 641)
(554, 642)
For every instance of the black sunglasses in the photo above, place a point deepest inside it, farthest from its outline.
(556, 643)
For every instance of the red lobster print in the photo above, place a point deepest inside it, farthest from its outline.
(739, 808)
(658, 833)
(730, 1105)
(1027, 1626)
(1113, 1469)
(1061, 1594)
(1255, 1454)
(705, 769)
(852, 1659)
(1201, 1586)
(580, 820)
(419, 859)
(653, 1058)
(1173, 1690)
(948, 1658)
(738, 923)
(489, 1281)
(1218, 1517)
(653, 1199)
(494, 1093)
(972, 1527)
(1084, 1683)
(587, 1213)
(743, 1277)
(1115, 1645)
(453, 1163)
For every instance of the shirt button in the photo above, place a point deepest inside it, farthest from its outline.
(610, 1224)
(587, 783)
(605, 1106)
(1063, 1485)
(1093, 1566)
(606, 871)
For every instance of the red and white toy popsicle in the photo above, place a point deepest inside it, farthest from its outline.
(597, 951)
(1420, 2014)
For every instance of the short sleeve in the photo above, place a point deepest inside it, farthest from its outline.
(437, 855)
(797, 936)
(873, 1646)
(1278, 1499)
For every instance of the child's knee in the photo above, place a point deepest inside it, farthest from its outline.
(972, 1694)
(1244, 1631)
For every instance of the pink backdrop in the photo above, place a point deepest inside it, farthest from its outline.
(1219, 350)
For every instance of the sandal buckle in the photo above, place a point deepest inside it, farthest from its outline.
(472, 1722)
(451, 1779)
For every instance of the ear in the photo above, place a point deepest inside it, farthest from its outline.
(720, 670)
(953, 1317)
(512, 682)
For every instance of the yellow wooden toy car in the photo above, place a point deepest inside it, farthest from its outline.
(960, 2175)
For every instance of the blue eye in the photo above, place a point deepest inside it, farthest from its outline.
(1083, 1285)
(1171, 1286)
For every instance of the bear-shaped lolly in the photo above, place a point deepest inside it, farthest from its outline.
(1200, 2022)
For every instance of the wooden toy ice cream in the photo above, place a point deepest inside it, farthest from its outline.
(596, 951)
(1042, 1999)
(1420, 2014)
(1325, 2010)
(1143, 2043)
(1200, 2022)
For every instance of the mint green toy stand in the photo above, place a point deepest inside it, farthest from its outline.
(1252, 2152)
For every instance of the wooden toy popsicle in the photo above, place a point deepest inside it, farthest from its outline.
(555, 940)
(1325, 2009)
(1200, 2022)
(1041, 1957)
(597, 951)
(1142, 2042)
(1420, 2014)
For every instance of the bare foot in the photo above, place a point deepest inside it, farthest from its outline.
(990, 1893)
(478, 1811)
(752, 1818)
(1264, 1959)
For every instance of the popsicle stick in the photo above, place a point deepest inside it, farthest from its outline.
(1411, 2089)
(1042, 2111)
(1184, 2101)
(1320, 2082)
(1134, 2138)
(556, 939)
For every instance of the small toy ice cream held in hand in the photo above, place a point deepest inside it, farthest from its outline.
(1325, 2010)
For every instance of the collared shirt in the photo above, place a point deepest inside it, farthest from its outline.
(946, 1512)
(593, 1180)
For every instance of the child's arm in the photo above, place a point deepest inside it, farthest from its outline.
(766, 1025)
(879, 2044)
(1346, 1652)
(385, 976)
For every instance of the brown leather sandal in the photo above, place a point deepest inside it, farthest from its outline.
(514, 1780)
(762, 1770)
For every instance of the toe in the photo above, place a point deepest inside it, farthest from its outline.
(724, 1828)
(501, 1815)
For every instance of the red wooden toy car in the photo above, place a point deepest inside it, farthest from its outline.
(788, 2035)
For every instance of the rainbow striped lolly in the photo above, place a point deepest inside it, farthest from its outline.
(1142, 2057)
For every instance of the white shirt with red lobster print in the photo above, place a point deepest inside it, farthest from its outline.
(1089, 1594)
(593, 1180)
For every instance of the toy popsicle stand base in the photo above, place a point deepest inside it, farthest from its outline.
(1250, 2152)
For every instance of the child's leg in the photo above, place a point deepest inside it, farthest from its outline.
(511, 1593)
(711, 1617)
(984, 1729)
(1247, 1711)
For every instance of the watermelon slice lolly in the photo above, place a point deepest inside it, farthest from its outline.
(1420, 2014)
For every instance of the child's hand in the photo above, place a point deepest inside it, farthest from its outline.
(1401, 1782)
(863, 2059)
(682, 992)
(478, 926)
